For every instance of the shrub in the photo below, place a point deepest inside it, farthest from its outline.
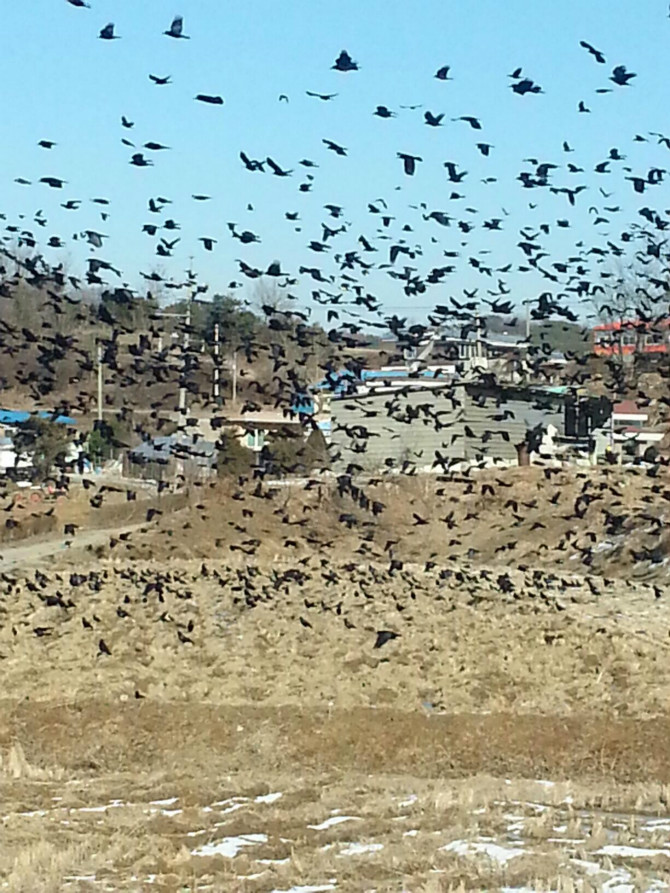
(233, 459)
(290, 453)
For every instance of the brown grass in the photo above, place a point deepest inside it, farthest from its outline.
(438, 737)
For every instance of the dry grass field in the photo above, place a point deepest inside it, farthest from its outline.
(160, 797)
(244, 728)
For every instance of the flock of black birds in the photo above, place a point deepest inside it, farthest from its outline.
(593, 276)
(113, 604)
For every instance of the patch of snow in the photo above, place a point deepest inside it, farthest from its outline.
(604, 546)
(577, 841)
(410, 801)
(273, 861)
(168, 802)
(516, 827)
(517, 890)
(587, 866)
(360, 849)
(268, 798)
(657, 825)
(412, 833)
(630, 852)
(536, 807)
(334, 820)
(319, 889)
(230, 846)
(113, 804)
(493, 851)
(232, 804)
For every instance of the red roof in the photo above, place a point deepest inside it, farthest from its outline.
(629, 407)
(632, 324)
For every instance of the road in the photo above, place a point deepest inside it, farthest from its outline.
(33, 552)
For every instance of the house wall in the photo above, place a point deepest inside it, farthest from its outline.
(399, 427)
(525, 415)
(418, 424)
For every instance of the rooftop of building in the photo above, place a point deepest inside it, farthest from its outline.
(19, 416)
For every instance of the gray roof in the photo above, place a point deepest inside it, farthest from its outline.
(183, 447)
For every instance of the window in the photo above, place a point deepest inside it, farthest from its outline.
(255, 440)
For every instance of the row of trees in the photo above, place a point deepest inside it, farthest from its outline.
(289, 453)
(46, 444)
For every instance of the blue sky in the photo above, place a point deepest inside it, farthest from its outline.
(64, 84)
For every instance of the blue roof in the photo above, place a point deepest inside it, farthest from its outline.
(345, 382)
(18, 417)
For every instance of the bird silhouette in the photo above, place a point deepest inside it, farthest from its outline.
(107, 33)
(176, 29)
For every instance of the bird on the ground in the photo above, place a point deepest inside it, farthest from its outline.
(384, 636)
(103, 648)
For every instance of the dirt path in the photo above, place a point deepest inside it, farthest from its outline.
(34, 552)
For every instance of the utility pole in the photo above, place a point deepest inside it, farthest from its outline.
(99, 382)
(478, 336)
(217, 364)
(186, 316)
(235, 378)
(185, 345)
(527, 303)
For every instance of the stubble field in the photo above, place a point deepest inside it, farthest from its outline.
(248, 731)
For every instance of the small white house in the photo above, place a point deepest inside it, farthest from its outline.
(8, 457)
(10, 421)
(628, 414)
